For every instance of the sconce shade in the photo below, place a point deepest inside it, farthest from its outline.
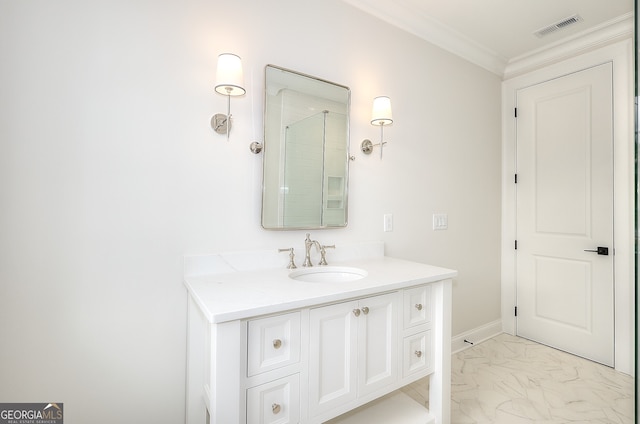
(381, 114)
(229, 77)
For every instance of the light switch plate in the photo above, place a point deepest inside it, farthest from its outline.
(440, 221)
(388, 222)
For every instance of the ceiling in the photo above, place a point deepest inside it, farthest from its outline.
(501, 29)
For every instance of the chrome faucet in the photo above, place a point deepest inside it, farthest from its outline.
(307, 249)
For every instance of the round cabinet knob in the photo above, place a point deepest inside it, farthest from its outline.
(277, 343)
(419, 306)
(356, 312)
(275, 408)
(418, 353)
(365, 310)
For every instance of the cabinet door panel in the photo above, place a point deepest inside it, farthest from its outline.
(377, 340)
(332, 356)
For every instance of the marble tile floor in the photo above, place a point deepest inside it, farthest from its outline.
(510, 380)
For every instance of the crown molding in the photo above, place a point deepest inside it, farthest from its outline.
(434, 32)
(454, 42)
(607, 33)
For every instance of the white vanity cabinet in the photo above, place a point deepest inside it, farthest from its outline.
(319, 350)
(352, 351)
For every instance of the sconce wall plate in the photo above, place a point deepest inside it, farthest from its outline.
(366, 146)
(219, 123)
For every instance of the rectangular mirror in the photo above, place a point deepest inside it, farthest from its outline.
(306, 152)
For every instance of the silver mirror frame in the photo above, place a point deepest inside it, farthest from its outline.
(347, 156)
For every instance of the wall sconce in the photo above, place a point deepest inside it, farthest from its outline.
(229, 82)
(381, 116)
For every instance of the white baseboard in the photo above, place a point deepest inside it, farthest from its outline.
(475, 336)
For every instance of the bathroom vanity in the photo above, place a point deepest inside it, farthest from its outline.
(271, 345)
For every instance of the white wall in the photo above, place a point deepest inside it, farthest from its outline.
(109, 173)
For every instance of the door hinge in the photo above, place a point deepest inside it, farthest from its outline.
(515, 112)
(515, 311)
(515, 178)
(515, 244)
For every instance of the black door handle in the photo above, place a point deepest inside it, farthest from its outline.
(600, 251)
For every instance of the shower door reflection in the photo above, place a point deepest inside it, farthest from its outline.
(313, 192)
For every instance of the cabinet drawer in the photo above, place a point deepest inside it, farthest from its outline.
(417, 353)
(275, 402)
(417, 306)
(273, 342)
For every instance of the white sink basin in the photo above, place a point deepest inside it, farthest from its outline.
(328, 274)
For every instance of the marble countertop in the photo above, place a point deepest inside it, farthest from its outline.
(238, 295)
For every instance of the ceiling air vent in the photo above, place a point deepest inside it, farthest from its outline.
(558, 25)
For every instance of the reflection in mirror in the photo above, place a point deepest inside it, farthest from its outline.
(306, 150)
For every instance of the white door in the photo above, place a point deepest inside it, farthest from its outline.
(565, 214)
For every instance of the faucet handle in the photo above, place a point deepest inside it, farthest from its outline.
(323, 252)
(292, 264)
